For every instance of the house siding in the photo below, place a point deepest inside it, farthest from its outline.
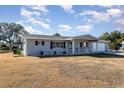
(122, 44)
(35, 50)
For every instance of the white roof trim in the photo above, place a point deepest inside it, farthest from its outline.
(47, 38)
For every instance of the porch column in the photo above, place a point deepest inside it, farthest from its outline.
(73, 47)
(25, 45)
(66, 47)
(96, 46)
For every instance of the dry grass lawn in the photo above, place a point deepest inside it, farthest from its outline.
(73, 71)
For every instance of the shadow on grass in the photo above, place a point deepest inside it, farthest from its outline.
(97, 55)
(105, 55)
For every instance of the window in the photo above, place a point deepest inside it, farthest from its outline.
(57, 45)
(83, 44)
(42, 43)
(51, 45)
(36, 43)
(86, 44)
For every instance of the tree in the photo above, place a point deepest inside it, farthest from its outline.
(106, 36)
(114, 38)
(10, 33)
(56, 34)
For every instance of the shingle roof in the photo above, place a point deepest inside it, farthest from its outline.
(51, 37)
(85, 37)
(33, 36)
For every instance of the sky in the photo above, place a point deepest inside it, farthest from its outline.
(68, 20)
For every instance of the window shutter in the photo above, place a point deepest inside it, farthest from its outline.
(64, 44)
(86, 44)
(51, 45)
(36, 43)
(80, 44)
(43, 43)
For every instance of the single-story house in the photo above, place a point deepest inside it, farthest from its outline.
(41, 45)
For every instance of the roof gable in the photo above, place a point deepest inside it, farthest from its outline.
(86, 37)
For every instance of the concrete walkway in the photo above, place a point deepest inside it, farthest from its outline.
(116, 53)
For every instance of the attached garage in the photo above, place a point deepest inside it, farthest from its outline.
(100, 46)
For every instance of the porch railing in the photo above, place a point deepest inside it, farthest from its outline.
(80, 51)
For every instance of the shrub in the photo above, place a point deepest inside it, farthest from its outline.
(4, 47)
(17, 51)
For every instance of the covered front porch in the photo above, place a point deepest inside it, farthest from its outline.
(81, 46)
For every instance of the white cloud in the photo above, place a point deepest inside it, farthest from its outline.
(102, 16)
(65, 27)
(20, 22)
(84, 28)
(33, 11)
(120, 22)
(36, 13)
(33, 15)
(89, 20)
(26, 13)
(30, 30)
(68, 8)
(107, 6)
(95, 15)
(39, 22)
(114, 12)
(41, 8)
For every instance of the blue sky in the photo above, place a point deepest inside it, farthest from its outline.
(66, 20)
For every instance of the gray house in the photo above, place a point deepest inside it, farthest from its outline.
(41, 45)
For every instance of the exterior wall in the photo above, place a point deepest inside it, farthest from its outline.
(35, 50)
(123, 44)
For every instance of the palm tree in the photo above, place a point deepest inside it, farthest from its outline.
(115, 39)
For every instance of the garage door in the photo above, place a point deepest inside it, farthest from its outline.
(101, 46)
